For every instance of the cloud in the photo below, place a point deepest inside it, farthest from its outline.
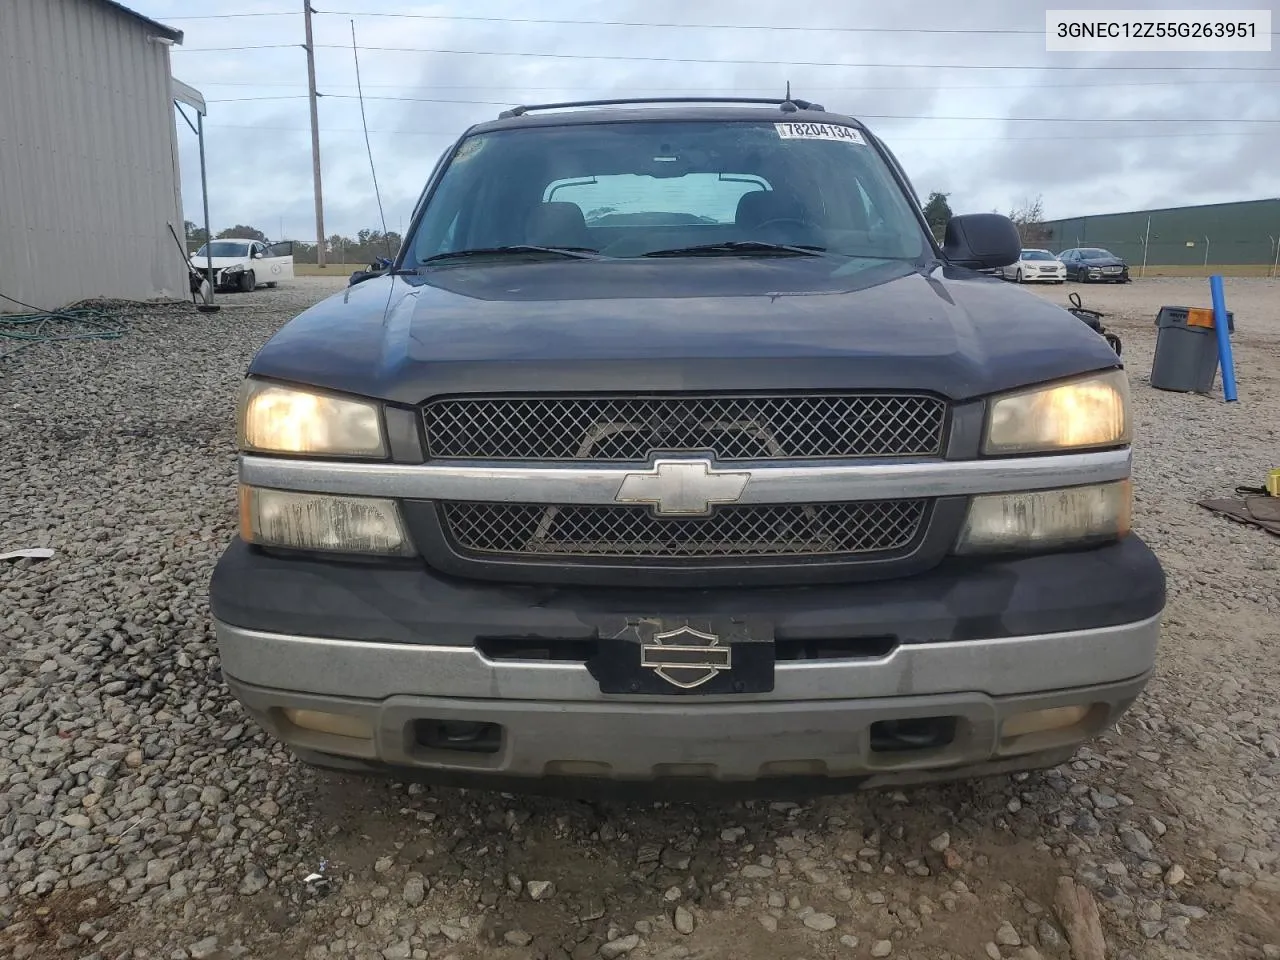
(259, 150)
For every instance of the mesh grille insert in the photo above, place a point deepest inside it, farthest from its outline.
(630, 429)
(774, 530)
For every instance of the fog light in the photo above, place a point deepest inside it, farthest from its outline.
(313, 521)
(1047, 519)
(335, 724)
(1039, 721)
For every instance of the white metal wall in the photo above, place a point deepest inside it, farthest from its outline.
(88, 156)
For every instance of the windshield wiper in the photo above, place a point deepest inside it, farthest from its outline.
(739, 246)
(573, 253)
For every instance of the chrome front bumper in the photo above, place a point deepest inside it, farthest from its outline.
(817, 722)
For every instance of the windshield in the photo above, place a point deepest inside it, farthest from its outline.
(1093, 253)
(635, 188)
(1036, 255)
(224, 248)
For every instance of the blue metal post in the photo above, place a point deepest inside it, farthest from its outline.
(1225, 360)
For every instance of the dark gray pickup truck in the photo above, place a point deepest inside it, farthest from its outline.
(672, 448)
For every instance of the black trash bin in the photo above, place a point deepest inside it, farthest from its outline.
(1186, 357)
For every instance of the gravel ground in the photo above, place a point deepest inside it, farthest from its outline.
(143, 815)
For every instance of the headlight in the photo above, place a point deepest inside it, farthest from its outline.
(234, 268)
(1047, 519)
(1090, 412)
(314, 521)
(278, 419)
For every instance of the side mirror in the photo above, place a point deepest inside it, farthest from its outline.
(981, 241)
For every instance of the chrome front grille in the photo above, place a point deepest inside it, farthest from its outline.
(828, 530)
(630, 429)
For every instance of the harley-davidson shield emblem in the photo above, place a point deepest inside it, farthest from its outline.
(685, 657)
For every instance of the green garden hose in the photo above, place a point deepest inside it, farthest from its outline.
(74, 323)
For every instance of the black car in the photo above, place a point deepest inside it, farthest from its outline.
(671, 447)
(1094, 263)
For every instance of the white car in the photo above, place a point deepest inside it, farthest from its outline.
(243, 264)
(1036, 266)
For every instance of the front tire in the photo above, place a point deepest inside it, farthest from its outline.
(248, 282)
(1017, 276)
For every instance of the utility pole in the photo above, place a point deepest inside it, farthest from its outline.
(315, 135)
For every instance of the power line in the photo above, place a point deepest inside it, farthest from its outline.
(860, 114)
(712, 90)
(226, 16)
(705, 60)
(945, 31)
(455, 133)
(364, 124)
(684, 26)
(256, 46)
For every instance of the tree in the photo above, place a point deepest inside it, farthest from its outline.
(1029, 219)
(196, 236)
(937, 211)
(242, 232)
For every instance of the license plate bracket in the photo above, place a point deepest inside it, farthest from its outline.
(684, 656)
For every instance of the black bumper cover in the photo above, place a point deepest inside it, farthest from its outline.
(960, 599)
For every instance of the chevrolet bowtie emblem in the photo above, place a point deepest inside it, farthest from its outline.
(682, 488)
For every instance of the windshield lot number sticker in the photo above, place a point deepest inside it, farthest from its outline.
(819, 131)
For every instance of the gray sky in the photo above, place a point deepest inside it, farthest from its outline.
(1139, 149)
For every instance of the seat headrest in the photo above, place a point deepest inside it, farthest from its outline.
(557, 224)
(758, 206)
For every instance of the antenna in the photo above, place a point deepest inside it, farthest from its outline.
(368, 146)
(788, 89)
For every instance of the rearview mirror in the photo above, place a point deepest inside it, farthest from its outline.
(981, 240)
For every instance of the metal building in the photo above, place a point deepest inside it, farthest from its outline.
(1216, 234)
(89, 177)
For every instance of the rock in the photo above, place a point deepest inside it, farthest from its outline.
(1231, 853)
(383, 864)
(255, 879)
(850, 941)
(515, 884)
(518, 938)
(540, 889)
(769, 922)
(1152, 928)
(202, 949)
(1049, 935)
(992, 951)
(881, 948)
(1078, 913)
(754, 871)
(1103, 801)
(453, 933)
(415, 891)
(941, 842)
(952, 859)
(683, 920)
(875, 896)
(1028, 953)
(620, 947)
(1137, 842)
(1007, 936)
(398, 951)
(820, 922)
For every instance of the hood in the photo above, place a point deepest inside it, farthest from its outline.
(1103, 261)
(694, 324)
(218, 262)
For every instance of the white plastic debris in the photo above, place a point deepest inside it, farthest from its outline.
(31, 553)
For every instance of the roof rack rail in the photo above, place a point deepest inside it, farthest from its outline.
(787, 105)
